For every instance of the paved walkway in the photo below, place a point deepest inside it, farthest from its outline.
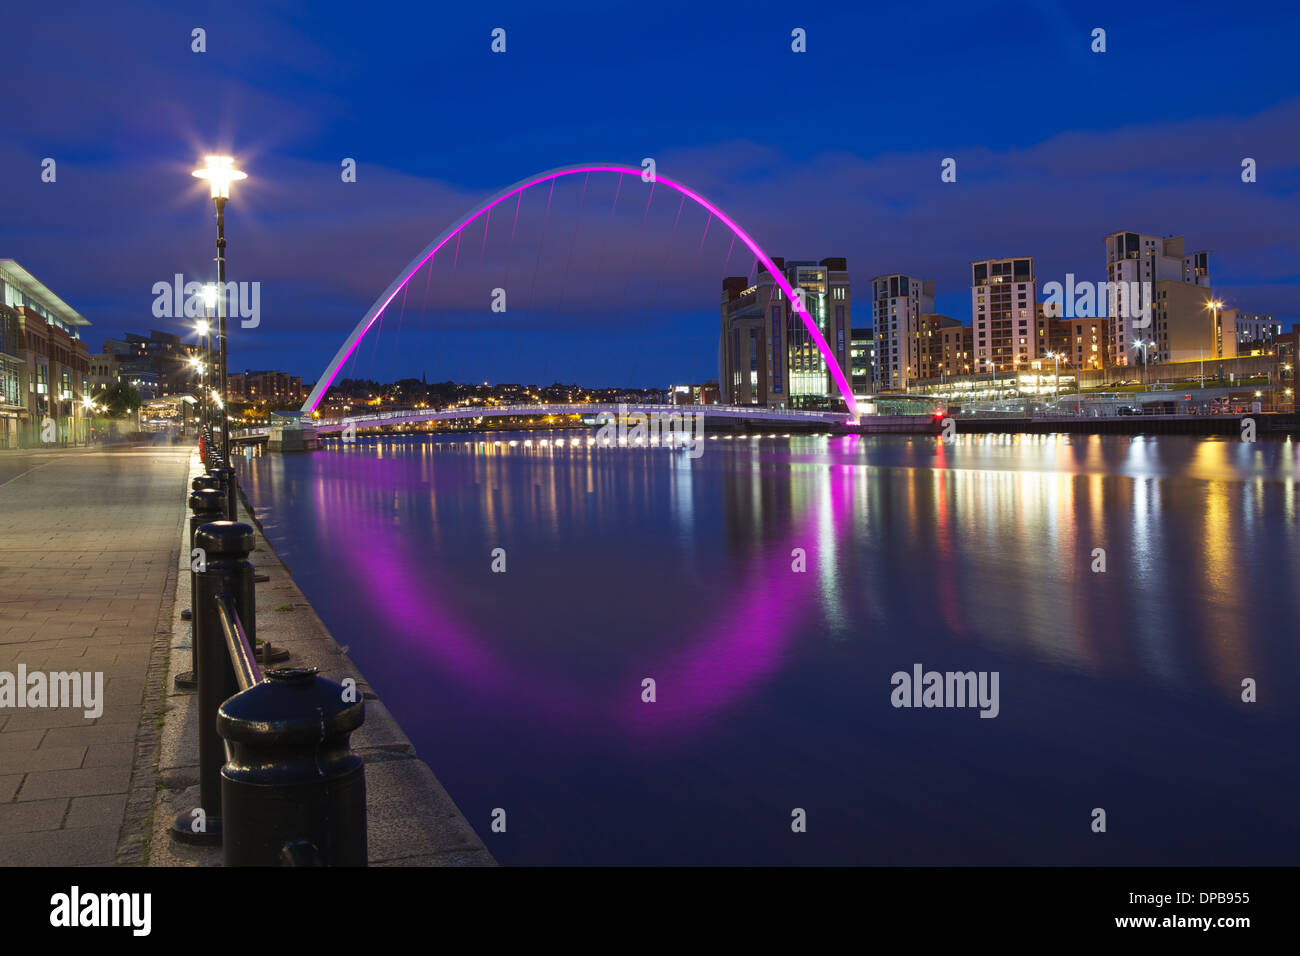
(411, 820)
(89, 549)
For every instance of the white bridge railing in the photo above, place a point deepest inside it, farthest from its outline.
(414, 415)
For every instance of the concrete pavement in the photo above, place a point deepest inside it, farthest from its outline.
(89, 551)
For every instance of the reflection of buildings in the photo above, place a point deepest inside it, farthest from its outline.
(43, 362)
(765, 354)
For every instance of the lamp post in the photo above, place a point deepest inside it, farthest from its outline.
(196, 364)
(1216, 330)
(1139, 343)
(220, 172)
(205, 331)
(1056, 377)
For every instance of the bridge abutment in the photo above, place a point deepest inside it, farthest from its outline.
(293, 436)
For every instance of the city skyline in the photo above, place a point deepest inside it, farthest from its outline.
(1028, 189)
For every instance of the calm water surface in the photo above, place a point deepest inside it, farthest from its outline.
(1119, 690)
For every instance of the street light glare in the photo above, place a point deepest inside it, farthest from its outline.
(220, 172)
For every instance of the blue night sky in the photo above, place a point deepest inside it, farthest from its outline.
(832, 152)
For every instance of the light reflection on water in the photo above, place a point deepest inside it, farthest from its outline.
(523, 689)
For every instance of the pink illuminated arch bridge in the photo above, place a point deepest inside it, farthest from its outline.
(405, 276)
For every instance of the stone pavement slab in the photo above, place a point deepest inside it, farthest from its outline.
(89, 546)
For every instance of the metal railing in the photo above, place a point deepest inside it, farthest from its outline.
(579, 409)
(279, 784)
(242, 657)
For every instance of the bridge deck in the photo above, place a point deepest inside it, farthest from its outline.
(417, 416)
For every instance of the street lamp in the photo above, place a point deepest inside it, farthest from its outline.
(1056, 379)
(1214, 305)
(220, 172)
(204, 330)
(1139, 343)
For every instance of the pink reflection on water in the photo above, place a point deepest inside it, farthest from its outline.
(729, 656)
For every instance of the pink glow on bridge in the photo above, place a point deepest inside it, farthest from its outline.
(377, 310)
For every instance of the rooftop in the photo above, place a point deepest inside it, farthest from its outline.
(15, 275)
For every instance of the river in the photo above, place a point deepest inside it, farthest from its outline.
(1127, 592)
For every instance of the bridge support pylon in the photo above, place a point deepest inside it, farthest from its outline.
(292, 435)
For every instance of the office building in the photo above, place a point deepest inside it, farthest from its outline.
(862, 361)
(766, 355)
(44, 365)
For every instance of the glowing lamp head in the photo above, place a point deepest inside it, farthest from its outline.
(220, 172)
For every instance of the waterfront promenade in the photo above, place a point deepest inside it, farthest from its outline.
(411, 820)
(92, 580)
(89, 546)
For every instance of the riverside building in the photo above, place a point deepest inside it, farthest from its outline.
(766, 355)
(44, 365)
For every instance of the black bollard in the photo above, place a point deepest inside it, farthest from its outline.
(229, 485)
(226, 546)
(206, 505)
(293, 790)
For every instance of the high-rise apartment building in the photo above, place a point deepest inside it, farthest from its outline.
(766, 355)
(1253, 329)
(1004, 306)
(273, 388)
(930, 345)
(897, 304)
(1081, 343)
(1177, 316)
(956, 350)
